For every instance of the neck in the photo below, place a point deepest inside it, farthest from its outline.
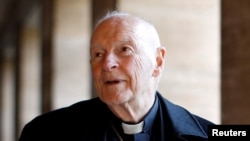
(132, 112)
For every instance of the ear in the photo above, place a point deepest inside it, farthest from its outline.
(160, 56)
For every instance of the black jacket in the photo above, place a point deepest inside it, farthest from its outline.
(89, 121)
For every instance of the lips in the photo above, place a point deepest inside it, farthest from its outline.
(112, 78)
(112, 82)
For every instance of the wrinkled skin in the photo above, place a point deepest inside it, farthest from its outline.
(125, 66)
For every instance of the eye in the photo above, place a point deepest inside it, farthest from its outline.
(98, 54)
(126, 49)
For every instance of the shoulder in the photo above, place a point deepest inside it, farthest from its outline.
(178, 112)
(72, 121)
(183, 121)
(79, 109)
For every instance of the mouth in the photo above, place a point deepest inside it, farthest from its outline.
(112, 82)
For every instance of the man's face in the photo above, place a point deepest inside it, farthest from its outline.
(122, 67)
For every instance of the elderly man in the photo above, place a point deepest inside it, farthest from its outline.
(127, 60)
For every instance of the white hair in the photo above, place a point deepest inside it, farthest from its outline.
(110, 15)
(149, 31)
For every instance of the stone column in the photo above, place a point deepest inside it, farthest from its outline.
(235, 61)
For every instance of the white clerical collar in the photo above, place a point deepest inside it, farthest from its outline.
(132, 128)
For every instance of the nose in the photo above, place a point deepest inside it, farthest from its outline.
(110, 62)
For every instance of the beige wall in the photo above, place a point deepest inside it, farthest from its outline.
(190, 31)
(30, 67)
(71, 43)
(8, 90)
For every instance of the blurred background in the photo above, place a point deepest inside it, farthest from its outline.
(44, 56)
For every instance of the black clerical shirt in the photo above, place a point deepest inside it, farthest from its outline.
(91, 120)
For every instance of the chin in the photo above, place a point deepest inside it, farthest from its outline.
(113, 101)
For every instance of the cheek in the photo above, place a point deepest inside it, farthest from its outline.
(141, 70)
(143, 66)
(96, 78)
(95, 71)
